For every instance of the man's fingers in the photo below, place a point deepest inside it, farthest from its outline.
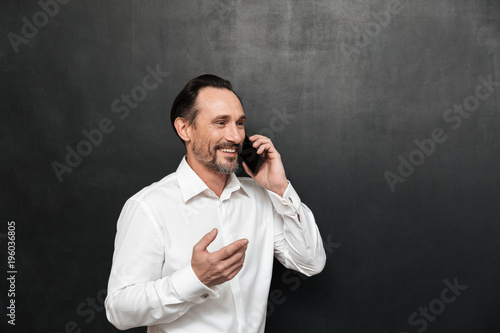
(205, 241)
(229, 250)
(256, 137)
(220, 266)
(262, 144)
(234, 270)
(264, 147)
(234, 263)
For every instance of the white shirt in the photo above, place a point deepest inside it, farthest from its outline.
(152, 283)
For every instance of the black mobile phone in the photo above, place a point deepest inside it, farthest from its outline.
(250, 157)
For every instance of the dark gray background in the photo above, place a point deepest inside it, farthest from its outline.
(351, 115)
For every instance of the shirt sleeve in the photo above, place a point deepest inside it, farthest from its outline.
(138, 294)
(297, 241)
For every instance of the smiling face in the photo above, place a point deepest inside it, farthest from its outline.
(217, 133)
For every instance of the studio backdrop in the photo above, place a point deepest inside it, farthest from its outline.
(386, 114)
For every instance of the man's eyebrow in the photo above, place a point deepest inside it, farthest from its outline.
(222, 116)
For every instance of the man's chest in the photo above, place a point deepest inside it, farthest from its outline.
(182, 225)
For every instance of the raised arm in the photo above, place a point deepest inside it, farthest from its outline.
(298, 243)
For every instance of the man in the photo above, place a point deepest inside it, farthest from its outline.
(194, 251)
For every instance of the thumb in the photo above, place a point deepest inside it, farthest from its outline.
(205, 241)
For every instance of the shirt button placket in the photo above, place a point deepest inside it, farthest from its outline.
(234, 283)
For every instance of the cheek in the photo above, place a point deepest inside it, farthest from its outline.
(214, 135)
(242, 135)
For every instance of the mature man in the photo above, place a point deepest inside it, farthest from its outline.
(194, 251)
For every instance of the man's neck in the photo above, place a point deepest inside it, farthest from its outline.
(215, 181)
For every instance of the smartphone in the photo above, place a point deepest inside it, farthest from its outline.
(250, 157)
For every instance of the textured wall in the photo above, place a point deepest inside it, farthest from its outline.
(386, 113)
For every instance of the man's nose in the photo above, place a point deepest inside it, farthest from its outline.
(235, 134)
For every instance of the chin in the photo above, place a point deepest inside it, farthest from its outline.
(227, 168)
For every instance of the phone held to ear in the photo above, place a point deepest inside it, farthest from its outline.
(250, 157)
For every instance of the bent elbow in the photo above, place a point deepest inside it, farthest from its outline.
(114, 315)
(317, 265)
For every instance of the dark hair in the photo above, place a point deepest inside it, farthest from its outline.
(184, 103)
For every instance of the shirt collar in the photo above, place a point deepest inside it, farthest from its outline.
(191, 184)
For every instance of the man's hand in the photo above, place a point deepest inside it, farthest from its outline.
(217, 267)
(271, 174)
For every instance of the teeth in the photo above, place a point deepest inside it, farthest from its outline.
(227, 150)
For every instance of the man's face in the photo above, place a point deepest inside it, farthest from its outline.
(218, 132)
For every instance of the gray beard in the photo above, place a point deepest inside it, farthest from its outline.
(214, 163)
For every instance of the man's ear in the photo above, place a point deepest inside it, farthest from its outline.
(182, 127)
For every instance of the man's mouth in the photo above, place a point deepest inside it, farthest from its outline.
(228, 150)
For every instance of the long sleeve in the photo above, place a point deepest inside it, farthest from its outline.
(151, 281)
(138, 294)
(298, 243)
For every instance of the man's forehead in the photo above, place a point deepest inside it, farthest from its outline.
(216, 100)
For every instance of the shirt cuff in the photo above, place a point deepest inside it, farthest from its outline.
(189, 288)
(288, 204)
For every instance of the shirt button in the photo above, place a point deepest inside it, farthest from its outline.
(205, 295)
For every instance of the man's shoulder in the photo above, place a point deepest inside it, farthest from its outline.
(251, 186)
